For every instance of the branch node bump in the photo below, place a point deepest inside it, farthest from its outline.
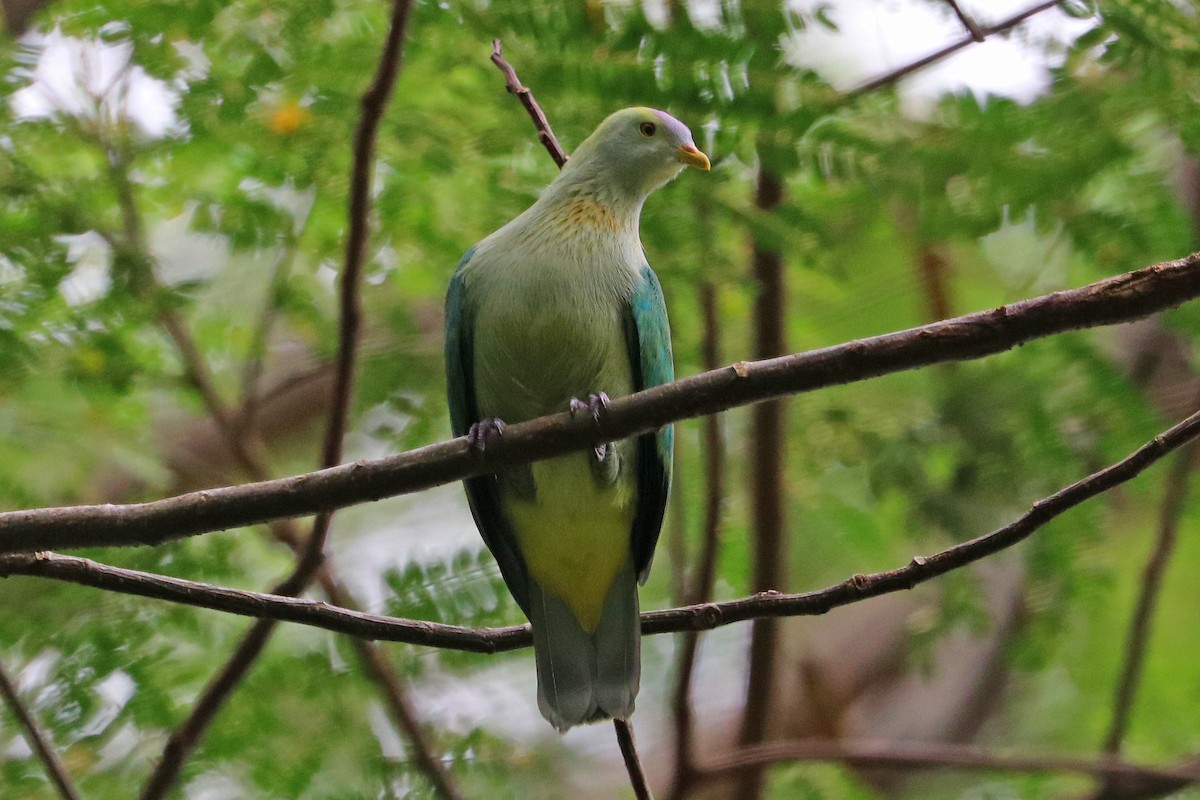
(859, 582)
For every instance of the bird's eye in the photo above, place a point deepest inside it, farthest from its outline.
(647, 128)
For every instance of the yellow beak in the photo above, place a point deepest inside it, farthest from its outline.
(689, 155)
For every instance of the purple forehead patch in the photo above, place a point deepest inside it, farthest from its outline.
(677, 128)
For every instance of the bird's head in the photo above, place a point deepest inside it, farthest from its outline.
(637, 150)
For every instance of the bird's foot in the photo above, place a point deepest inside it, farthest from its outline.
(483, 433)
(596, 405)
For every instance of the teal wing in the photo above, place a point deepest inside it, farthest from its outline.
(648, 335)
(483, 493)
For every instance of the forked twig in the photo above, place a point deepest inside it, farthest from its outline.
(967, 22)
(977, 35)
(545, 134)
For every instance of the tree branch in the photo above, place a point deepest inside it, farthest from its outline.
(1117, 299)
(36, 739)
(701, 585)
(260, 605)
(633, 765)
(767, 450)
(1174, 499)
(374, 102)
(705, 616)
(976, 35)
(310, 554)
(184, 738)
(966, 21)
(940, 756)
(545, 134)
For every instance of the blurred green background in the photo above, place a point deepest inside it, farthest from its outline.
(1053, 155)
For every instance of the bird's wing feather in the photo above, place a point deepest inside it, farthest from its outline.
(648, 335)
(483, 493)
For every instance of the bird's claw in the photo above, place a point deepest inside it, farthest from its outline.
(596, 404)
(483, 433)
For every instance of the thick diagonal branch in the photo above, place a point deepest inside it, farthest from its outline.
(1117, 299)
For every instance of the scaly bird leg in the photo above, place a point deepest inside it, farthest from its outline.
(483, 433)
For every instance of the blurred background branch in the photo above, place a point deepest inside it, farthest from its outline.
(37, 738)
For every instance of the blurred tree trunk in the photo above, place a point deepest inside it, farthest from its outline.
(766, 475)
(17, 14)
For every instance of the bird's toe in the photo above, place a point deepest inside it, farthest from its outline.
(484, 433)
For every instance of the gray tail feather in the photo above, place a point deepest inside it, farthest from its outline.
(587, 677)
(618, 641)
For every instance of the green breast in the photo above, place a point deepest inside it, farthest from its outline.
(537, 351)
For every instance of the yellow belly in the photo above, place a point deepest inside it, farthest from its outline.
(575, 535)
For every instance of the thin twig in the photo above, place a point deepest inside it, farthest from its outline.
(1174, 499)
(701, 585)
(545, 134)
(967, 22)
(1117, 299)
(1170, 513)
(705, 616)
(398, 700)
(36, 739)
(260, 605)
(196, 371)
(184, 738)
(982, 33)
(940, 756)
(633, 765)
(200, 378)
